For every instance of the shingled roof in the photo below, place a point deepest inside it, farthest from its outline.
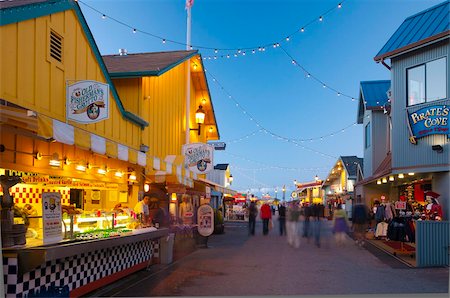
(424, 27)
(145, 64)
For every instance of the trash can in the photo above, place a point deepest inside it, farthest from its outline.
(166, 249)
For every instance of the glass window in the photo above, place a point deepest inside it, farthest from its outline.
(427, 82)
(367, 135)
(416, 85)
(436, 80)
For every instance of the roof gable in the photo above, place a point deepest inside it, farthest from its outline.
(18, 11)
(351, 164)
(145, 64)
(426, 26)
(373, 95)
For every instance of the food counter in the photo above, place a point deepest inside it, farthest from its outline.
(82, 265)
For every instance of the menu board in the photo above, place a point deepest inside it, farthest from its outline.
(51, 217)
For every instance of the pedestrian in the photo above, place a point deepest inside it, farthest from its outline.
(360, 220)
(282, 218)
(316, 223)
(293, 228)
(306, 221)
(252, 213)
(340, 225)
(266, 216)
(272, 208)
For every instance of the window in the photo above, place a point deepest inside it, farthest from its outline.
(367, 136)
(427, 82)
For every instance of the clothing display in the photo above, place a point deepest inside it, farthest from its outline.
(381, 230)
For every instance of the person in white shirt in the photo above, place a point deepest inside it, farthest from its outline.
(142, 208)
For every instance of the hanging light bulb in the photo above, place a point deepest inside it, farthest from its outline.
(215, 51)
(163, 41)
(321, 19)
(288, 38)
(103, 16)
(340, 5)
(302, 30)
(134, 30)
(401, 176)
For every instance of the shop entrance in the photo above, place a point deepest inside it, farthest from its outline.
(76, 197)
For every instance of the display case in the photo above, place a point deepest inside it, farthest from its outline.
(97, 224)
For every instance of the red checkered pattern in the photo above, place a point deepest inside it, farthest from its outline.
(33, 195)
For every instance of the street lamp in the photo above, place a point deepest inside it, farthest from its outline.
(316, 178)
(276, 192)
(199, 118)
(284, 191)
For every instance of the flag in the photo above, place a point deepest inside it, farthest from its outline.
(189, 3)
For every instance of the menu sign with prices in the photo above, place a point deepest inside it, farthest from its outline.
(51, 217)
(205, 219)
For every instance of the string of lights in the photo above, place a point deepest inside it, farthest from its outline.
(296, 142)
(228, 52)
(309, 75)
(280, 168)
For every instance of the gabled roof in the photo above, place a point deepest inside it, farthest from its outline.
(221, 166)
(351, 164)
(145, 64)
(372, 96)
(424, 27)
(18, 11)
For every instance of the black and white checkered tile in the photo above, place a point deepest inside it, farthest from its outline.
(78, 270)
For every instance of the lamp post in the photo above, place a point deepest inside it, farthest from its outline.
(276, 192)
(284, 191)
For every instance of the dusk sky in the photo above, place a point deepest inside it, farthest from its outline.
(275, 109)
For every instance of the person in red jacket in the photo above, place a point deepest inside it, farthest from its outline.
(266, 215)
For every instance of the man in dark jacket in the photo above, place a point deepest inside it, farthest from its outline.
(252, 213)
(360, 219)
(282, 218)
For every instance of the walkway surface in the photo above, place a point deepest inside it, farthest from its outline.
(236, 264)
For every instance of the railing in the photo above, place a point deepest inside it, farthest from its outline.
(432, 243)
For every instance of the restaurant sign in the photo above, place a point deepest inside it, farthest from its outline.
(428, 121)
(198, 157)
(87, 102)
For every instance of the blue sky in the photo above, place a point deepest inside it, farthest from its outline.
(273, 103)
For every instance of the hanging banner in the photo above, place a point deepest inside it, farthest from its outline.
(87, 102)
(429, 120)
(205, 219)
(51, 217)
(198, 157)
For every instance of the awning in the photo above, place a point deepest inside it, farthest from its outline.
(169, 170)
(67, 134)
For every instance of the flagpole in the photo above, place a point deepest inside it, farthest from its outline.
(188, 70)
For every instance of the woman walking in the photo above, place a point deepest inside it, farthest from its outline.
(340, 225)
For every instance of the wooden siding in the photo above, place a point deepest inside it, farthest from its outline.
(405, 154)
(368, 152)
(29, 78)
(165, 111)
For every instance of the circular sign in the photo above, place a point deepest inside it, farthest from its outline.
(294, 194)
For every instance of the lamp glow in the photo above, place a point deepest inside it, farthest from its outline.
(401, 176)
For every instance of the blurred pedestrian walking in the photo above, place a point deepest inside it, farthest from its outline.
(293, 226)
(266, 215)
(282, 218)
(252, 213)
(306, 221)
(317, 214)
(361, 221)
(340, 225)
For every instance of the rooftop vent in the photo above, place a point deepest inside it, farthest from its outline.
(122, 52)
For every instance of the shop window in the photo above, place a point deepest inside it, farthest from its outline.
(76, 197)
(367, 136)
(427, 82)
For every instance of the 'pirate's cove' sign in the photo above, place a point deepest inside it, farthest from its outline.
(198, 157)
(429, 120)
(88, 102)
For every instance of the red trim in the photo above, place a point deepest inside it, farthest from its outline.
(106, 280)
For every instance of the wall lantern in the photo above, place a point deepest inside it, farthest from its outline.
(199, 118)
(230, 178)
(378, 181)
(391, 178)
(173, 197)
(384, 180)
(401, 176)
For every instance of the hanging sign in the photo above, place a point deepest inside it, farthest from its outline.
(51, 217)
(218, 145)
(198, 157)
(205, 220)
(87, 102)
(429, 120)
(400, 205)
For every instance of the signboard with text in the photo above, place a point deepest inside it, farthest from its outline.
(218, 145)
(429, 120)
(51, 217)
(87, 102)
(198, 157)
(205, 220)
